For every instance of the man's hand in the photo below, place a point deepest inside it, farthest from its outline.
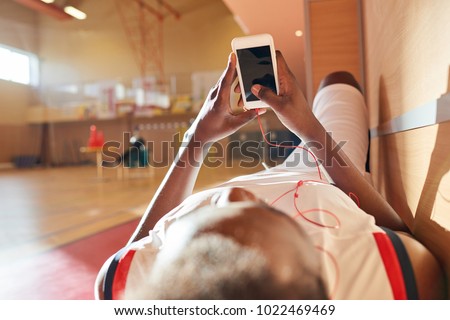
(293, 111)
(216, 119)
(290, 104)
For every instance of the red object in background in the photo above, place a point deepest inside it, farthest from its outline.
(100, 139)
(96, 138)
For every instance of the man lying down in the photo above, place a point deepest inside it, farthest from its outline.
(285, 232)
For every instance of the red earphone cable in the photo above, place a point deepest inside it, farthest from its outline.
(281, 146)
(302, 214)
(336, 268)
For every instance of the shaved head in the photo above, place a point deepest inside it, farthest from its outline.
(245, 251)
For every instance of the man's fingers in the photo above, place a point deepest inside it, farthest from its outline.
(230, 74)
(244, 117)
(282, 66)
(213, 92)
(266, 95)
(237, 88)
(240, 102)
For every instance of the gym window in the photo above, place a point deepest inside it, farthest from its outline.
(18, 66)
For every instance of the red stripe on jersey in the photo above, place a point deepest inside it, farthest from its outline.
(120, 277)
(392, 265)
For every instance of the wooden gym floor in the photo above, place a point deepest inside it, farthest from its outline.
(44, 208)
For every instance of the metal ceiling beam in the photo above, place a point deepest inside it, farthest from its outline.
(46, 8)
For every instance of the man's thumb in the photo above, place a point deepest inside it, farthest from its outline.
(265, 94)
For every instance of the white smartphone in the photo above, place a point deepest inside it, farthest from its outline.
(256, 64)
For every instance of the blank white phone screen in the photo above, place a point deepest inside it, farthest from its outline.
(256, 68)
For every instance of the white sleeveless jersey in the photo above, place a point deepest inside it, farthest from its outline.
(358, 259)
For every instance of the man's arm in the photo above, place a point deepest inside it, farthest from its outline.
(214, 122)
(294, 112)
